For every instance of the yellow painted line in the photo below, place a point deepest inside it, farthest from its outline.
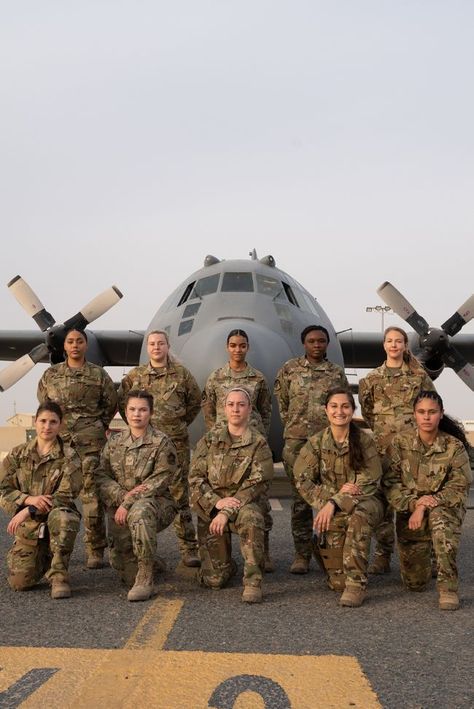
(153, 629)
(128, 678)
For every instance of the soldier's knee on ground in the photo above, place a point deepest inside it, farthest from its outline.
(19, 581)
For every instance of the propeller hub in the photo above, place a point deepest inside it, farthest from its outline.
(436, 341)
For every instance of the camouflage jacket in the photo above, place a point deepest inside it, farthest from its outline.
(224, 379)
(25, 473)
(322, 468)
(221, 467)
(441, 470)
(88, 399)
(126, 463)
(386, 398)
(176, 396)
(301, 389)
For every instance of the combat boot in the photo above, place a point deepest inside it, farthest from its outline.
(252, 594)
(300, 565)
(448, 600)
(268, 564)
(60, 588)
(380, 564)
(142, 589)
(94, 558)
(190, 558)
(352, 597)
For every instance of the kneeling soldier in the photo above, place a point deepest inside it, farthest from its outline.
(39, 482)
(137, 469)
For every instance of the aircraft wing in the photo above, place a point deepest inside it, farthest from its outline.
(119, 348)
(365, 350)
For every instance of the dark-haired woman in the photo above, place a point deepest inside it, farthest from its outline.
(88, 399)
(386, 397)
(301, 387)
(427, 485)
(338, 472)
(238, 373)
(39, 482)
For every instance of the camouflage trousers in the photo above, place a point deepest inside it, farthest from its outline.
(301, 512)
(183, 523)
(440, 531)
(31, 557)
(215, 551)
(93, 512)
(384, 534)
(345, 547)
(136, 540)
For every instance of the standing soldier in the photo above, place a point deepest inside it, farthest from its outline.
(176, 403)
(88, 399)
(136, 473)
(237, 372)
(301, 388)
(386, 397)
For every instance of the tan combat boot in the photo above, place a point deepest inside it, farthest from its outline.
(94, 558)
(380, 564)
(300, 565)
(448, 600)
(60, 588)
(190, 558)
(252, 594)
(268, 565)
(142, 589)
(352, 597)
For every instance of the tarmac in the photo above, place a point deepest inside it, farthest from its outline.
(190, 647)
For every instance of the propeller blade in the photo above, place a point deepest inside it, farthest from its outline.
(454, 359)
(462, 316)
(30, 302)
(93, 310)
(400, 305)
(15, 371)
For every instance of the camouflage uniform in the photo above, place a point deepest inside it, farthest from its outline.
(219, 383)
(124, 464)
(225, 466)
(320, 471)
(176, 403)
(441, 470)
(27, 473)
(301, 389)
(88, 400)
(386, 397)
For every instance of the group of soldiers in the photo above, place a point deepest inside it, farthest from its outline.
(140, 478)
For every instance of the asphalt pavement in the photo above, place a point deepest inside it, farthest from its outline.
(413, 655)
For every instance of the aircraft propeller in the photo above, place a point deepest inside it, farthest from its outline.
(435, 344)
(54, 339)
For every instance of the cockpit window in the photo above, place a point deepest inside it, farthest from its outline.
(186, 294)
(237, 283)
(290, 295)
(205, 286)
(270, 286)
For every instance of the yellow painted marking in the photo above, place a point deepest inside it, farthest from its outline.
(128, 678)
(155, 626)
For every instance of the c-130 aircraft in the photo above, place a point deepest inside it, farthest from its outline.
(253, 295)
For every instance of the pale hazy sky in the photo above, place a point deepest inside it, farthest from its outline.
(136, 137)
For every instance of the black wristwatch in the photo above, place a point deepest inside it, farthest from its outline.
(32, 510)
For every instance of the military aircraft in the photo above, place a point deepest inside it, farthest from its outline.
(253, 295)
